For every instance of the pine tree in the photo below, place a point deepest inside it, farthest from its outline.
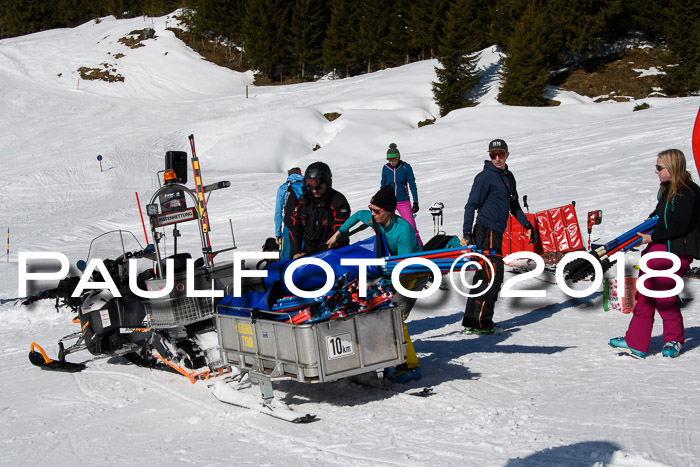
(682, 32)
(308, 26)
(265, 31)
(373, 43)
(340, 35)
(526, 73)
(575, 28)
(457, 54)
(425, 24)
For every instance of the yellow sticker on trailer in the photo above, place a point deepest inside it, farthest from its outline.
(245, 332)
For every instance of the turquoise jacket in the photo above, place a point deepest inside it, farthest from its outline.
(400, 236)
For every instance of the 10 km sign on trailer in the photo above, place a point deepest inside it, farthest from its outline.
(340, 346)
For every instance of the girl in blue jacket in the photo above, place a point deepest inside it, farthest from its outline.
(399, 176)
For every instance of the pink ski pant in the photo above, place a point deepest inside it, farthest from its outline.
(638, 334)
(405, 210)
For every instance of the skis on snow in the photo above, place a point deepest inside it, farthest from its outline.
(228, 394)
(373, 381)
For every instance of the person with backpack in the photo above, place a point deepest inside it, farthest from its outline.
(287, 195)
(678, 232)
(319, 213)
(495, 197)
(399, 176)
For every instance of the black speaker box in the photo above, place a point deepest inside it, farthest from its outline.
(177, 162)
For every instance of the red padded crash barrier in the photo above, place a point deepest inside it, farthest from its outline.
(559, 230)
(515, 237)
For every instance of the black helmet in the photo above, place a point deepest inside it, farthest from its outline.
(319, 171)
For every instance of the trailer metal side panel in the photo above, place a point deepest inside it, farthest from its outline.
(317, 352)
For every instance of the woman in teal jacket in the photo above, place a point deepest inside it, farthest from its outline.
(400, 240)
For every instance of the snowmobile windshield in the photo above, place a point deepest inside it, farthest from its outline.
(111, 245)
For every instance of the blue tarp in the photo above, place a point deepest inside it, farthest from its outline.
(311, 277)
(306, 277)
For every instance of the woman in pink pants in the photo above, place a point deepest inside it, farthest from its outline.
(399, 175)
(678, 232)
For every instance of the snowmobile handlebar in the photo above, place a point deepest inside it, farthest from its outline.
(64, 290)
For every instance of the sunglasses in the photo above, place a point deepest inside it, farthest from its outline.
(313, 184)
(659, 168)
(375, 210)
(497, 155)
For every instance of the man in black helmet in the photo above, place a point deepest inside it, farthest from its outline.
(319, 213)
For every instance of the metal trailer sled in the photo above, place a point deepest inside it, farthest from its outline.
(310, 353)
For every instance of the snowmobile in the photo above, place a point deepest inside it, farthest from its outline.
(175, 331)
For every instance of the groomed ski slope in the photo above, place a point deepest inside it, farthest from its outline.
(548, 391)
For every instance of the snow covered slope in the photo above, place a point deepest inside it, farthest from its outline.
(549, 391)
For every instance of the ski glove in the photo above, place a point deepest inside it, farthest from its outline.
(468, 237)
(415, 207)
(534, 236)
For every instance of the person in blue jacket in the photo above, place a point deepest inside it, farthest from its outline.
(400, 240)
(495, 196)
(284, 205)
(399, 175)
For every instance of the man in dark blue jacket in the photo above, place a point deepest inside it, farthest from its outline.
(494, 195)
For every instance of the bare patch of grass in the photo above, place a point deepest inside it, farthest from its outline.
(330, 116)
(107, 73)
(427, 121)
(617, 77)
(135, 39)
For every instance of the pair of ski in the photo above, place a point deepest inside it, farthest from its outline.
(224, 392)
(372, 380)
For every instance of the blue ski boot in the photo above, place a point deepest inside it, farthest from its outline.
(671, 349)
(620, 344)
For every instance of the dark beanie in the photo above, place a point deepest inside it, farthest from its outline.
(385, 198)
(393, 151)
